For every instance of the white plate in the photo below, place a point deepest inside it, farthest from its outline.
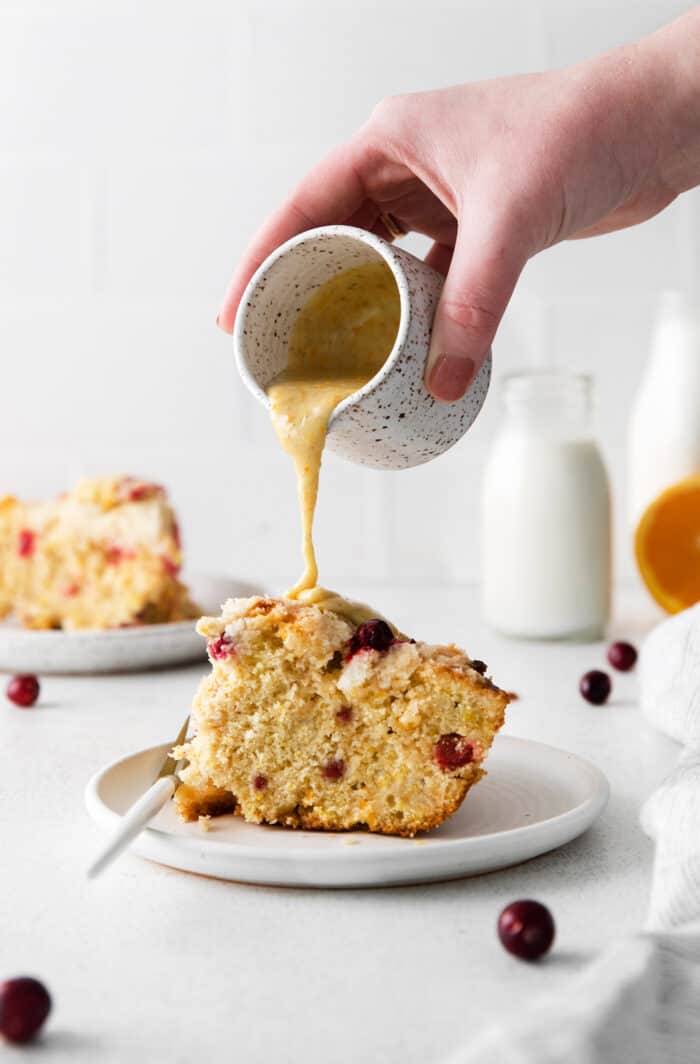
(533, 799)
(116, 649)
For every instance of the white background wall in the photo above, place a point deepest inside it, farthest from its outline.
(141, 144)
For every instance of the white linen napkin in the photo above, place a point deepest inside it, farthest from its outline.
(638, 1002)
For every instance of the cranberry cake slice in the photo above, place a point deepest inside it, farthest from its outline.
(307, 721)
(102, 556)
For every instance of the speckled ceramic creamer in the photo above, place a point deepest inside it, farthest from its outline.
(392, 422)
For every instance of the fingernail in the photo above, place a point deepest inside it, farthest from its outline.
(450, 377)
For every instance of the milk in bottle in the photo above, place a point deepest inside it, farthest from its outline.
(546, 565)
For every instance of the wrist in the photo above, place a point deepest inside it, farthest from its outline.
(612, 117)
(670, 61)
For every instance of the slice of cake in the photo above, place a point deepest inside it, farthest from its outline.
(309, 721)
(103, 556)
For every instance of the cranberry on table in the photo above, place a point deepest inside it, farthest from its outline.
(24, 1005)
(595, 686)
(526, 929)
(622, 656)
(23, 690)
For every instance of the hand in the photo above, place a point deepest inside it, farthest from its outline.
(494, 172)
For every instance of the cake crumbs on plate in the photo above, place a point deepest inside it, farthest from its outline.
(204, 821)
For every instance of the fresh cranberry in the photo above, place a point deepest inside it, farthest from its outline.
(333, 770)
(222, 647)
(526, 929)
(71, 590)
(372, 635)
(453, 751)
(259, 782)
(344, 714)
(24, 1006)
(23, 690)
(622, 656)
(26, 542)
(479, 666)
(595, 686)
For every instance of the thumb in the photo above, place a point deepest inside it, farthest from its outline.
(480, 282)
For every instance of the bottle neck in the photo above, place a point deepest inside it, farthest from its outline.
(675, 346)
(553, 403)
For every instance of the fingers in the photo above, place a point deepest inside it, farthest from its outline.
(331, 193)
(365, 216)
(370, 217)
(440, 257)
(482, 274)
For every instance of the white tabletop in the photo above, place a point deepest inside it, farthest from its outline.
(149, 964)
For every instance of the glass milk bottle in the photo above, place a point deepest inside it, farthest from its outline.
(546, 537)
(663, 441)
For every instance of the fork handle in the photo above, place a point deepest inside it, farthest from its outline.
(134, 821)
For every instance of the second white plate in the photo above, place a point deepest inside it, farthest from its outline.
(534, 799)
(117, 649)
